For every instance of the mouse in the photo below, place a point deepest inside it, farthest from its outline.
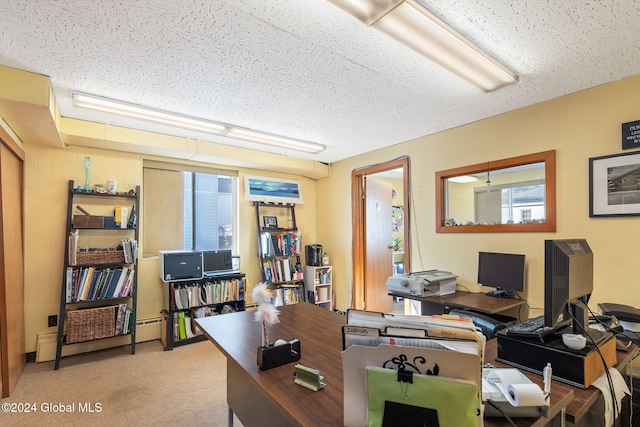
(574, 341)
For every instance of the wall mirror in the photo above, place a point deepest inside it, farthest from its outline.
(510, 195)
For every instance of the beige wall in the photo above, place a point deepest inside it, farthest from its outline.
(578, 126)
(47, 171)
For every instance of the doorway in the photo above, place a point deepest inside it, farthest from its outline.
(12, 326)
(375, 214)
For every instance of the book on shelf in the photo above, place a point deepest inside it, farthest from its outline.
(120, 318)
(281, 244)
(91, 284)
(285, 296)
(73, 246)
(130, 250)
(280, 270)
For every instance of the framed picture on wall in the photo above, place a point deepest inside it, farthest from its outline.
(614, 185)
(276, 190)
(270, 222)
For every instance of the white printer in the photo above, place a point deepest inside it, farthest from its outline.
(423, 283)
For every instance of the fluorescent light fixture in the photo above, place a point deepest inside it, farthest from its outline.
(411, 24)
(274, 140)
(462, 179)
(153, 115)
(148, 114)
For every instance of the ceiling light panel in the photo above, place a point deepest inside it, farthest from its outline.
(411, 24)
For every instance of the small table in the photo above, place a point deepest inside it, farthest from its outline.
(475, 301)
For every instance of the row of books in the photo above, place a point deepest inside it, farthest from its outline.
(282, 244)
(124, 320)
(197, 294)
(286, 296)
(280, 270)
(90, 283)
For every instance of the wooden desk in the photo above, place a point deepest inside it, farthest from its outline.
(475, 301)
(270, 398)
(561, 394)
(582, 399)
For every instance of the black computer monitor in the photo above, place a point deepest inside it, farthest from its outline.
(217, 260)
(568, 283)
(505, 272)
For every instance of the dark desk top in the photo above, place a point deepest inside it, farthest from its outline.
(238, 336)
(477, 301)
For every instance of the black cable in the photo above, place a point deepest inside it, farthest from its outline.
(499, 409)
(612, 390)
(462, 286)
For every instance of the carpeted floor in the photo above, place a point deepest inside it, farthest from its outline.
(184, 386)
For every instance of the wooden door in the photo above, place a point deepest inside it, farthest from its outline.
(12, 332)
(378, 254)
(359, 217)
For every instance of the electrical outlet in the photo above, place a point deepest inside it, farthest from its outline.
(53, 321)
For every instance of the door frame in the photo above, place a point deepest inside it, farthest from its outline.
(358, 222)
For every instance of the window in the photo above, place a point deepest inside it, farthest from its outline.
(512, 203)
(189, 209)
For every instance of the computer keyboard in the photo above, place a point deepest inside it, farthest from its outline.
(530, 328)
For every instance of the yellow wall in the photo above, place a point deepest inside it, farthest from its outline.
(578, 126)
(47, 171)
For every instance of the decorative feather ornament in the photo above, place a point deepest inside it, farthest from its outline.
(266, 313)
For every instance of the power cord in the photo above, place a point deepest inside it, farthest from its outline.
(499, 409)
(612, 391)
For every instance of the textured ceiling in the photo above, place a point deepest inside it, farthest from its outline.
(306, 69)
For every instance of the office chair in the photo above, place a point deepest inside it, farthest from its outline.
(488, 325)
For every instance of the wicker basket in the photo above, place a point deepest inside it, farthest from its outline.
(102, 256)
(91, 324)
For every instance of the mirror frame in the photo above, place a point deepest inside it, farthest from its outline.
(549, 159)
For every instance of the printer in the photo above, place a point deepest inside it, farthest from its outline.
(423, 283)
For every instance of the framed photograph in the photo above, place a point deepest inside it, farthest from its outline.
(276, 190)
(270, 222)
(614, 185)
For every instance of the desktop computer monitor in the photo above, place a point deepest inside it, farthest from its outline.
(505, 272)
(217, 260)
(568, 283)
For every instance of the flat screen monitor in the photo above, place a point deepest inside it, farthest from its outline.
(217, 260)
(505, 272)
(568, 283)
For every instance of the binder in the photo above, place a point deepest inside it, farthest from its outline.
(182, 329)
(449, 402)
(445, 363)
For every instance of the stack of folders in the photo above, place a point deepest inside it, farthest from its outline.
(196, 294)
(389, 361)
